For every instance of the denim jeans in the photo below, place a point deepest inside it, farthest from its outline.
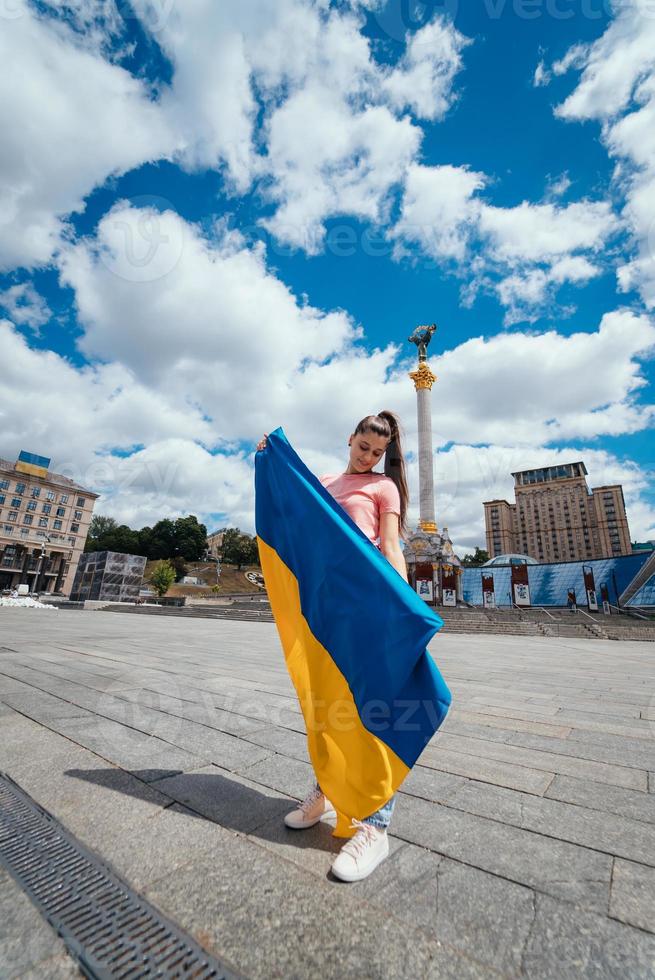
(382, 817)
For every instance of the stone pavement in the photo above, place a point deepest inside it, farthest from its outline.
(523, 845)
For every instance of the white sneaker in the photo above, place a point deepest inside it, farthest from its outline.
(362, 853)
(310, 811)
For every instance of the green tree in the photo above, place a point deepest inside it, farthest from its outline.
(239, 548)
(162, 577)
(109, 536)
(162, 542)
(179, 565)
(479, 558)
(99, 526)
(190, 538)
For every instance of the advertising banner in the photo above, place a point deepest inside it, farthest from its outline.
(488, 591)
(590, 587)
(424, 581)
(449, 585)
(520, 585)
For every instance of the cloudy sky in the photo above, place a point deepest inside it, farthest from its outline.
(220, 217)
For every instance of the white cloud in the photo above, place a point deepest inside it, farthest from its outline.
(541, 76)
(541, 232)
(617, 87)
(300, 61)
(198, 308)
(467, 475)
(25, 306)
(438, 211)
(294, 61)
(209, 373)
(423, 80)
(347, 166)
(559, 187)
(522, 253)
(70, 414)
(62, 136)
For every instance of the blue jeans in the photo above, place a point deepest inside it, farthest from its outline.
(382, 817)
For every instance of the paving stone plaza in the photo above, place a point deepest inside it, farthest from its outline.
(523, 844)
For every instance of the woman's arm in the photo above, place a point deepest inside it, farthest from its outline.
(390, 543)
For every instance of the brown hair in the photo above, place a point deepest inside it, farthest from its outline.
(387, 425)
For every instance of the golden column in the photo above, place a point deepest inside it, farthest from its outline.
(423, 379)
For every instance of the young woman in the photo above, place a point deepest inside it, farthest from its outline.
(377, 503)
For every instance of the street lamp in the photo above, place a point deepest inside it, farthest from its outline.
(40, 573)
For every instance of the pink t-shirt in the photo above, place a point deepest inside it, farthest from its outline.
(364, 496)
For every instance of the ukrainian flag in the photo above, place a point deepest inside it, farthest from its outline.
(32, 464)
(354, 636)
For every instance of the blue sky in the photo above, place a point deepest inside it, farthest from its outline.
(220, 218)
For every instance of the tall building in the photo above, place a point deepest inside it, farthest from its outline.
(556, 517)
(44, 521)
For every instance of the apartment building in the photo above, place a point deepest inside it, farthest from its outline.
(556, 517)
(44, 521)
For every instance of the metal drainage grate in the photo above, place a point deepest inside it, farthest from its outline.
(109, 929)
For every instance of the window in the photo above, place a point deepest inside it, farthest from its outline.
(31, 505)
(75, 528)
(43, 521)
(36, 491)
(20, 488)
(78, 515)
(63, 499)
(28, 519)
(16, 502)
(46, 508)
(9, 529)
(4, 484)
(2, 498)
(24, 532)
(56, 525)
(13, 515)
(50, 495)
(72, 541)
(61, 511)
(80, 501)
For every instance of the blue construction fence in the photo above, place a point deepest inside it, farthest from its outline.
(551, 583)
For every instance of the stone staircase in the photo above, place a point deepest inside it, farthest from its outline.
(461, 619)
(464, 619)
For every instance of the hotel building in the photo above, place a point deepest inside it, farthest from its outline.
(44, 521)
(556, 517)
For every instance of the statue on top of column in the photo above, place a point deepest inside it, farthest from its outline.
(422, 337)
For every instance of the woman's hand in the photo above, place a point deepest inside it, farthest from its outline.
(262, 443)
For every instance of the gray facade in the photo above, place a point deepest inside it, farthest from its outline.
(108, 575)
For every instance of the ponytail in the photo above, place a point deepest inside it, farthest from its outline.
(387, 424)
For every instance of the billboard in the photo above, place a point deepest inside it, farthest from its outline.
(520, 585)
(488, 591)
(448, 585)
(424, 581)
(590, 587)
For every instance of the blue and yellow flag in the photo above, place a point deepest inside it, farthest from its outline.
(354, 636)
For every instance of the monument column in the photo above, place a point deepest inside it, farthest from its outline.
(423, 379)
